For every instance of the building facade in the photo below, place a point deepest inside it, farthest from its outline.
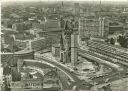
(27, 85)
(93, 27)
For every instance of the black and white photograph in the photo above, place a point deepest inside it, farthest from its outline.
(64, 45)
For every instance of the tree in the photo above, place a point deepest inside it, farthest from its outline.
(123, 41)
(112, 41)
(16, 76)
(6, 70)
(6, 86)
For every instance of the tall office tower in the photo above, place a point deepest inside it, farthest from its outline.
(101, 26)
(81, 28)
(74, 45)
(88, 27)
(76, 9)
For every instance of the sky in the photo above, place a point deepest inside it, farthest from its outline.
(66, 0)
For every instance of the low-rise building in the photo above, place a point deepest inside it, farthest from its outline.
(18, 27)
(51, 82)
(116, 28)
(56, 50)
(27, 85)
(7, 23)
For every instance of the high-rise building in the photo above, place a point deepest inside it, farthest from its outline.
(76, 9)
(74, 45)
(93, 27)
(88, 27)
(27, 85)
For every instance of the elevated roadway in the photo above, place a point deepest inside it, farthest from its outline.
(40, 61)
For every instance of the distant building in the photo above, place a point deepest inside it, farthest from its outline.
(74, 46)
(7, 23)
(27, 25)
(22, 26)
(93, 27)
(18, 27)
(39, 25)
(7, 59)
(101, 26)
(14, 16)
(76, 9)
(35, 32)
(116, 28)
(24, 36)
(8, 39)
(51, 24)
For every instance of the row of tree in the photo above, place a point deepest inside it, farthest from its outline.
(122, 40)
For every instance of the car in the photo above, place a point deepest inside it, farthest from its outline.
(106, 74)
(75, 68)
(107, 80)
(83, 84)
(126, 73)
(85, 70)
(124, 76)
(72, 71)
(95, 83)
(101, 75)
(91, 78)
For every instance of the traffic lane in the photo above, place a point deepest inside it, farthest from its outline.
(99, 60)
(105, 75)
(60, 66)
(63, 79)
(37, 64)
(110, 78)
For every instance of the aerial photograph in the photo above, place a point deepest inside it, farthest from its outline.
(64, 45)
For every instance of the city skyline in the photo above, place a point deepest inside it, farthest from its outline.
(68, 0)
(64, 45)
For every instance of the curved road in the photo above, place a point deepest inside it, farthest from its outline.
(76, 82)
